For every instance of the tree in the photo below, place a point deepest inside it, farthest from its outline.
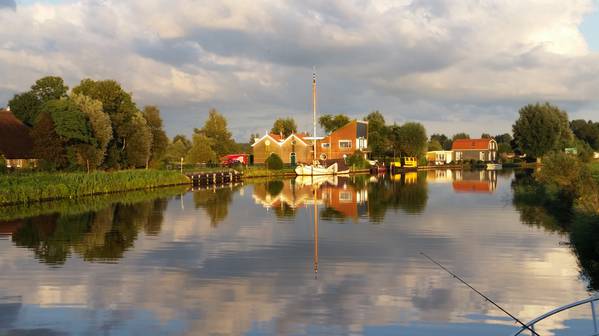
(540, 129)
(49, 88)
(215, 128)
(48, 146)
(159, 138)
(26, 106)
(285, 126)
(139, 145)
(253, 138)
(460, 136)
(183, 139)
(126, 121)
(332, 123)
(72, 126)
(412, 139)
(100, 125)
(443, 140)
(178, 149)
(378, 134)
(486, 136)
(434, 145)
(503, 138)
(586, 131)
(201, 150)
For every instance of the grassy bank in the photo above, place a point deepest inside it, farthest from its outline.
(35, 187)
(595, 170)
(86, 204)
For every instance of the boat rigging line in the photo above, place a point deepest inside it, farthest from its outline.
(481, 294)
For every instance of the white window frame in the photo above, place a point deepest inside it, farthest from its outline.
(349, 142)
(345, 197)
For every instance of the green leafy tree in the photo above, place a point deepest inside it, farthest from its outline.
(139, 145)
(253, 138)
(26, 106)
(178, 148)
(126, 121)
(74, 130)
(48, 146)
(332, 123)
(503, 138)
(100, 125)
(69, 122)
(586, 131)
(201, 150)
(183, 139)
(460, 136)
(378, 134)
(412, 139)
(443, 140)
(541, 128)
(285, 126)
(49, 88)
(215, 128)
(159, 138)
(434, 145)
(486, 136)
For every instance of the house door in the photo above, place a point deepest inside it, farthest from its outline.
(292, 159)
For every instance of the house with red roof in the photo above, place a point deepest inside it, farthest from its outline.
(16, 144)
(475, 149)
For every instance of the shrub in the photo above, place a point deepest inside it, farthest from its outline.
(357, 160)
(567, 173)
(274, 162)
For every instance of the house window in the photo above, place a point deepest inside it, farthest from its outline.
(344, 144)
(345, 196)
(361, 143)
(325, 145)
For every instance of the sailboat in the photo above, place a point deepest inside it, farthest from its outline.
(316, 168)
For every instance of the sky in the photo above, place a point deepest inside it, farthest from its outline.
(452, 65)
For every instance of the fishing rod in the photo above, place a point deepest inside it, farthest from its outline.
(481, 294)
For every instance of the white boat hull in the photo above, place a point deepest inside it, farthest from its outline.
(304, 170)
(494, 166)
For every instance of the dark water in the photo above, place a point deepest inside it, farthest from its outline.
(243, 260)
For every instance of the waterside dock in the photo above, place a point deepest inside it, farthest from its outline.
(216, 178)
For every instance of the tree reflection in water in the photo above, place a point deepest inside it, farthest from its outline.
(541, 206)
(215, 202)
(96, 235)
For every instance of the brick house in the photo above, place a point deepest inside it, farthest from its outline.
(475, 149)
(344, 141)
(16, 144)
(295, 148)
(298, 148)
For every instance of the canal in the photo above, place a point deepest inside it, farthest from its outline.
(245, 260)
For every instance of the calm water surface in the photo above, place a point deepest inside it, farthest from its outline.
(245, 260)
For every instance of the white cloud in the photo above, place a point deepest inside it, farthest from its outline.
(406, 58)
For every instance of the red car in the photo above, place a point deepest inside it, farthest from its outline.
(234, 159)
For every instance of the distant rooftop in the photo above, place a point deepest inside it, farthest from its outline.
(15, 140)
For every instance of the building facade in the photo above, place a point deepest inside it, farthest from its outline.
(475, 149)
(299, 148)
(16, 144)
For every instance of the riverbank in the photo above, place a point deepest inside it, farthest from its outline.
(35, 187)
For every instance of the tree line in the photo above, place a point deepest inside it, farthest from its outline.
(95, 125)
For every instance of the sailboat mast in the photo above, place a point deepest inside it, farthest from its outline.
(314, 110)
